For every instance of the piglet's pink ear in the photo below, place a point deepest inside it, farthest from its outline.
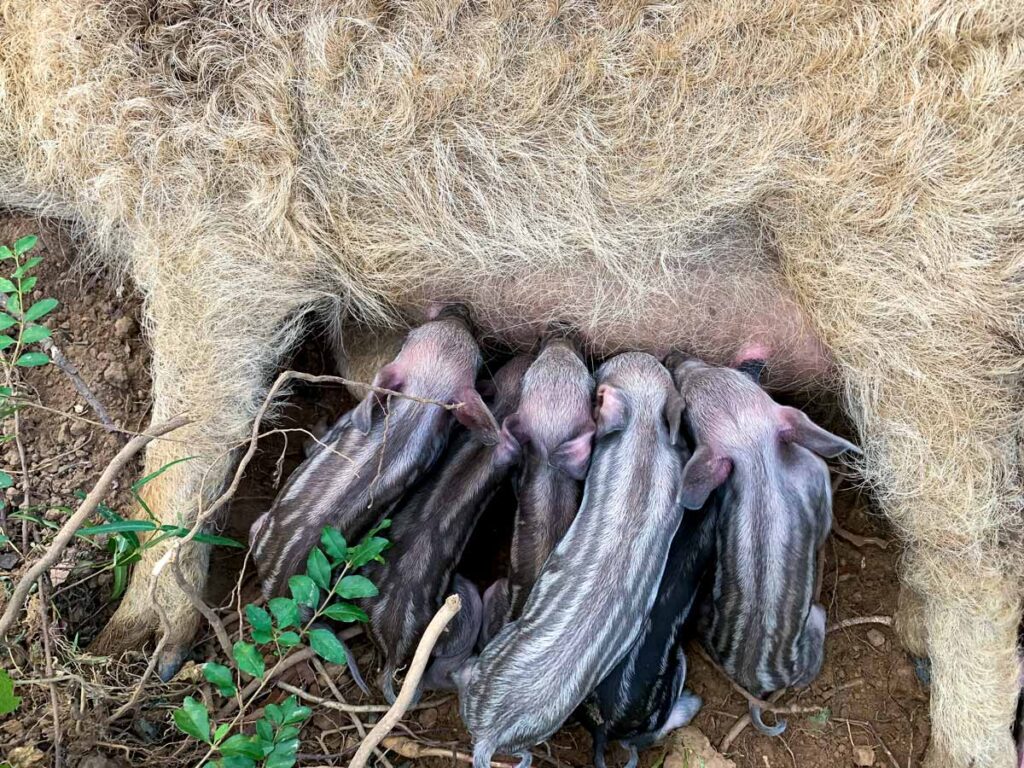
(612, 410)
(798, 428)
(475, 416)
(509, 448)
(388, 377)
(703, 473)
(514, 424)
(573, 456)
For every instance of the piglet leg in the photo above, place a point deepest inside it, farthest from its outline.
(495, 608)
(460, 636)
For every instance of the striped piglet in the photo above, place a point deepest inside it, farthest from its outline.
(774, 505)
(555, 427)
(643, 698)
(598, 585)
(376, 451)
(429, 531)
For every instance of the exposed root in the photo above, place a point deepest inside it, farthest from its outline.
(885, 621)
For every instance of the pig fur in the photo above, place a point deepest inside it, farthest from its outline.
(840, 176)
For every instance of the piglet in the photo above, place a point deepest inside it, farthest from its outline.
(643, 699)
(429, 531)
(774, 505)
(599, 584)
(376, 451)
(555, 428)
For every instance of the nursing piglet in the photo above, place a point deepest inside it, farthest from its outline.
(764, 463)
(555, 427)
(599, 584)
(376, 451)
(429, 530)
(643, 698)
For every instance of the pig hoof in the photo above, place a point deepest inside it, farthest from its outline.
(923, 670)
(525, 759)
(775, 730)
(170, 661)
(634, 757)
(387, 687)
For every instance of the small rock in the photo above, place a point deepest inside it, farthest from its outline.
(124, 327)
(78, 408)
(26, 757)
(116, 374)
(8, 560)
(428, 718)
(876, 638)
(863, 756)
(13, 728)
(689, 747)
(78, 428)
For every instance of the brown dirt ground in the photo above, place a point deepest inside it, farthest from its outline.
(877, 710)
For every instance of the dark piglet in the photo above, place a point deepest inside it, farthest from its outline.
(771, 488)
(429, 530)
(599, 584)
(555, 427)
(377, 450)
(643, 698)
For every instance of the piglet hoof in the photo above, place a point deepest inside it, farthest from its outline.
(755, 717)
(525, 759)
(923, 670)
(634, 757)
(387, 685)
(170, 661)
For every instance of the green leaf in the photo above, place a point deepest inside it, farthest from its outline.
(236, 761)
(119, 527)
(34, 333)
(293, 712)
(243, 745)
(8, 701)
(138, 484)
(273, 713)
(28, 284)
(40, 308)
(304, 590)
(14, 304)
(327, 646)
(5, 341)
(287, 732)
(6, 481)
(6, 321)
(265, 731)
(4, 539)
(193, 719)
(24, 268)
(26, 243)
(260, 622)
(368, 549)
(6, 286)
(249, 659)
(221, 731)
(221, 677)
(283, 755)
(355, 587)
(32, 360)
(288, 639)
(5, 253)
(333, 543)
(318, 568)
(345, 612)
(285, 610)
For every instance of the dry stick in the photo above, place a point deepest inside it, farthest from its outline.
(44, 617)
(72, 373)
(765, 705)
(739, 726)
(883, 620)
(26, 494)
(412, 680)
(410, 749)
(84, 511)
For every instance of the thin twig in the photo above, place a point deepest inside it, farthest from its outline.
(340, 706)
(885, 621)
(356, 722)
(26, 491)
(58, 739)
(411, 683)
(765, 705)
(412, 750)
(740, 725)
(857, 540)
(246, 693)
(84, 511)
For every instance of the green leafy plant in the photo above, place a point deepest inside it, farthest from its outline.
(276, 631)
(8, 701)
(19, 329)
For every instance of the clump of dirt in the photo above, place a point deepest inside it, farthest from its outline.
(874, 706)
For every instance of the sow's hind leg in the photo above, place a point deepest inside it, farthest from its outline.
(212, 358)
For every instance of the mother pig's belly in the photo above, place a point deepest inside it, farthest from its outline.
(718, 316)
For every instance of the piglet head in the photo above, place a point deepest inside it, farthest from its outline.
(438, 362)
